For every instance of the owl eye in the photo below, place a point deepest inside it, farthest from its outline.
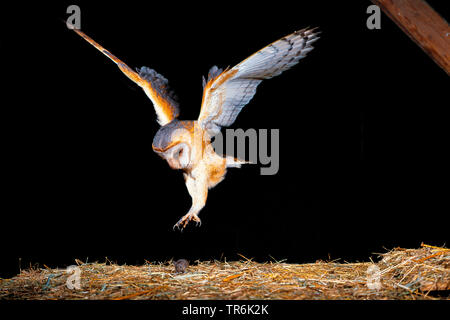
(182, 155)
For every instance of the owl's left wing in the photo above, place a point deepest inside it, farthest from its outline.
(154, 85)
(227, 92)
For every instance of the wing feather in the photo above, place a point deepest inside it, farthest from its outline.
(225, 94)
(154, 85)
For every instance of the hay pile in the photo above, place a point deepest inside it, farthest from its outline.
(400, 274)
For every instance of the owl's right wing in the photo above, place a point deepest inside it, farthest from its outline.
(153, 84)
(227, 92)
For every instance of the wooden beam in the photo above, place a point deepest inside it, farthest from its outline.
(423, 25)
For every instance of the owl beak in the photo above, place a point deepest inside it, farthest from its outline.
(173, 164)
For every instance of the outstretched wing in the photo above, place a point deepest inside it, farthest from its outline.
(227, 92)
(154, 85)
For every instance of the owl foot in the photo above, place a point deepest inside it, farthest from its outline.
(182, 223)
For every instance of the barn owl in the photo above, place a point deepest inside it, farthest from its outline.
(186, 144)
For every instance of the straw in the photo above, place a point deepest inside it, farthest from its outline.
(399, 274)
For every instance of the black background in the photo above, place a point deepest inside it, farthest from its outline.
(363, 137)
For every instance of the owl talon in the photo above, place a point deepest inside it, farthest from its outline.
(182, 223)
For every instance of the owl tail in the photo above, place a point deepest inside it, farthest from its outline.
(233, 162)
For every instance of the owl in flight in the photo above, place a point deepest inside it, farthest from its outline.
(186, 144)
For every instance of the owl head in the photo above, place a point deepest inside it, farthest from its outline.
(173, 142)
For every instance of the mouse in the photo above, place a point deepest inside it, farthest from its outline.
(180, 265)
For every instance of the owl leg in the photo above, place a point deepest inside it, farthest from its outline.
(198, 190)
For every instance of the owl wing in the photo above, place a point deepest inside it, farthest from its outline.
(227, 92)
(153, 84)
